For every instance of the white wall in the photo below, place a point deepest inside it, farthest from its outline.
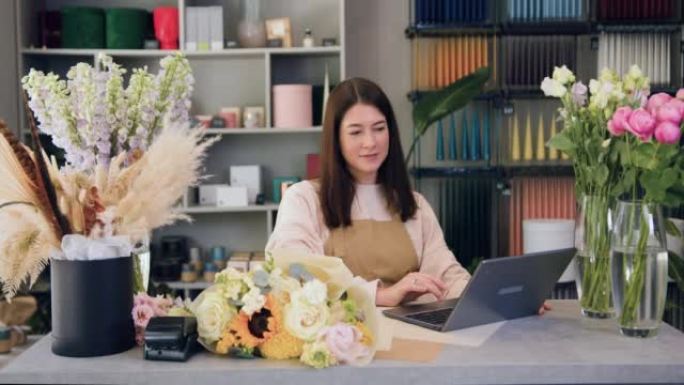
(377, 50)
(8, 66)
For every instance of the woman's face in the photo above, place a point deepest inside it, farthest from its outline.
(364, 140)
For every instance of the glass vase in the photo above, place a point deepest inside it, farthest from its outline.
(592, 240)
(251, 28)
(639, 267)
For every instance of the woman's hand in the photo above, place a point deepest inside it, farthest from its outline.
(544, 307)
(412, 286)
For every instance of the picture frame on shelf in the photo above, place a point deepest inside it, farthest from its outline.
(253, 117)
(280, 28)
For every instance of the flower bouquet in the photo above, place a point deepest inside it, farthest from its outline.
(646, 140)
(584, 138)
(295, 306)
(130, 156)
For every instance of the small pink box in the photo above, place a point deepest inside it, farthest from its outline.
(292, 106)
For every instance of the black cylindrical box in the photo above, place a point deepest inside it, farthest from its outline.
(91, 307)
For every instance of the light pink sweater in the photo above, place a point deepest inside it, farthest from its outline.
(300, 225)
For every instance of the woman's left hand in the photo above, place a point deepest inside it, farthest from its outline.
(544, 307)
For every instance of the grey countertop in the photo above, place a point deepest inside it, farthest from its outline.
(557, 348)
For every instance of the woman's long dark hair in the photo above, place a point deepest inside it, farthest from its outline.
(337, 185)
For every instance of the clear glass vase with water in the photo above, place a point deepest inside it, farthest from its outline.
(639, 267)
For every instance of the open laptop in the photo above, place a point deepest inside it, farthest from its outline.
(501, 289)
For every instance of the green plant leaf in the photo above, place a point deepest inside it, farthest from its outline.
(676, 269)
(436, 105)
(562, 142)
(672, 229)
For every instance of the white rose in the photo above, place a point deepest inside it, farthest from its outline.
(315, 292)
(304, 320)
(213, 315)
(563, 75)
(594, 86)
(553, 88)
(253, 301)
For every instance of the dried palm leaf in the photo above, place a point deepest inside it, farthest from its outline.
(171, 164)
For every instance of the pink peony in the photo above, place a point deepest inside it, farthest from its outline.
(656, 101)
(344, 342)
(142, 315)
(617, 125)
(669, 113)
(668, 133)
(680, 94)
(641, 124)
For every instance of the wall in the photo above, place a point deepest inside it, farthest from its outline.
(9, 85)
(378, 50)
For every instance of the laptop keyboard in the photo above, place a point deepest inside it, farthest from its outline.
(433, 317)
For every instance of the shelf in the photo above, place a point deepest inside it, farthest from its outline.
(569, 27)
(638, 26)
(556, 169)
(246, 52)
(561, 168)
(437, 172)
(179, 285)
(415, 95)
(433, 30)
(228, 209)
(262, 131)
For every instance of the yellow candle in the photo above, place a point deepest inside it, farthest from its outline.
(515, 140)
(541, 151)
(553, 153)
(527, 151)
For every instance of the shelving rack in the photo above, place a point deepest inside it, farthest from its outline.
(223, 78)
(579, 20)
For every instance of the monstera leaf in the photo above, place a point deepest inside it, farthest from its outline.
(436, 105)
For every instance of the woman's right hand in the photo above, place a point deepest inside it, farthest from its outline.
(412, 286)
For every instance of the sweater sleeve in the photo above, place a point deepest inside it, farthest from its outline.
(437, 260)
(297, 225)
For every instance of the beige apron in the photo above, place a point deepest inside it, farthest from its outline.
(374, 249)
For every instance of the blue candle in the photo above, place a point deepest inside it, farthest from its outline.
(439, 151)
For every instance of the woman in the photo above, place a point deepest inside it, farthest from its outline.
(363, 209)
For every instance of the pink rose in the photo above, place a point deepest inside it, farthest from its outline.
(617, 125)
(143, 299)
(668, 133)
(344, 342)
(668, 113)
(641, 123)
(142, 315)
(678, 104)
(656, 101)
(680, 94)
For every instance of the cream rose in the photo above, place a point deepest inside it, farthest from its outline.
(304, 320)
(213, 315)
(315, 292)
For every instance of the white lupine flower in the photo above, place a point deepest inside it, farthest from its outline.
(563, 75)
(553, 88)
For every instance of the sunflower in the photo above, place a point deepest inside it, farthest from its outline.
(250, 332)
(282, 345)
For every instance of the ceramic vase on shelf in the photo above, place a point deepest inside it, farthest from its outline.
(639, 264)
(251, 29)
(592, 240)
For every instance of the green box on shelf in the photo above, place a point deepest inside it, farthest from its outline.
(83, 27)
(126, 28)
(280, 184)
